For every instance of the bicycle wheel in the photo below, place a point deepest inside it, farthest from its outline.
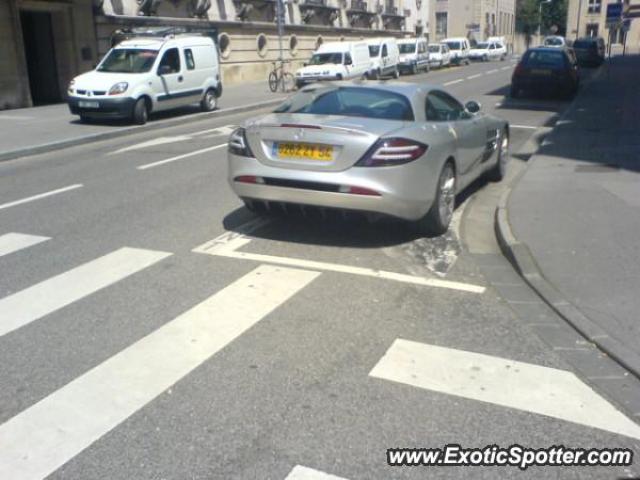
(288, 81)
(273, 81)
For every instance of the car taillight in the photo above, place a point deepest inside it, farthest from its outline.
(238, 144)
(392, 151)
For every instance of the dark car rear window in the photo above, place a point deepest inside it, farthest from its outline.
(545, 58)
(584, 44)
(350, 102)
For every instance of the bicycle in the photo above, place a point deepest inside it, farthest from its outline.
(278, 77)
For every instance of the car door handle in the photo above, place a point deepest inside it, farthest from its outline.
(180, 78)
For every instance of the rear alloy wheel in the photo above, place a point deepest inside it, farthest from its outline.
(498, 172)
(140, 112)
(209, 101)
(437, 220)
(485, 58)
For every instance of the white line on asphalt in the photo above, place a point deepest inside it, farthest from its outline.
(152, 143)
(40, 195)
(491, 71)
(474, 76)
(13, 242)
(525, 127)
(523, 386)
(32, 303)
(14, 117)
(230, 250)
(305, 473)
(453, 82)
(505, 68)
(227, 240)
(43, 437)
(224, 130)
(180, 157)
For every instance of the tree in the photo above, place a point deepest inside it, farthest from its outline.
(554, 13)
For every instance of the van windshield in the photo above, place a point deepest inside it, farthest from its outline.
(374, 50)
(128, 60)
(407, 47)
(326, 59)
(454, 45)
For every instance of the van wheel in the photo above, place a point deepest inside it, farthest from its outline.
(209, 102)
(437, 220)
(396, 73)
(140, 112)
(414, 69)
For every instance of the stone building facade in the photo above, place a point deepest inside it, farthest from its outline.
(474, 19)
(586, 18)
(80, 32)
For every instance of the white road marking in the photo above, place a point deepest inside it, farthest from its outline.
(224, 130)
(40, 195)
(453, 82)
(304, 473)
(32, 303)
(152, 143)
(227, 240)
(474, 76)
(13, 242)
(491, 71)
(180, 157)
(229, 250)
(14, 117)
(43, 437)
(525, 127)
(505, 68)
(523, 386)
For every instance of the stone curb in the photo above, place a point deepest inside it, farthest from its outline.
(521, 258)
(155, 125)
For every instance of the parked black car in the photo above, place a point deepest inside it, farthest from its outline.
(545, 70)
(590, 51)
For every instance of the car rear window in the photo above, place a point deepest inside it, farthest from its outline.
(350, 102)
(545, 58)
(584, 44)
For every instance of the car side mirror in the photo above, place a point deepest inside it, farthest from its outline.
(472, 107)
(164, 70)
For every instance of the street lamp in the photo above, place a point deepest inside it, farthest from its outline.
(540, 20)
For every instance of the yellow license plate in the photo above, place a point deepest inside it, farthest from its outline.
(307, 151)
(541, 72)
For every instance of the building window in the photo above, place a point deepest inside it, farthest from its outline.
(261, 43)
(293, 45)
(441, 24)
(595, 6)
(592, 29)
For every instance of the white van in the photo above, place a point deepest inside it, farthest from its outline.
(385, 57)
(439, 55)
(414, 55)
(459, 48)
(335, 61)
(149, 74)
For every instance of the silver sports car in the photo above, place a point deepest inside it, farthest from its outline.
(399, 149)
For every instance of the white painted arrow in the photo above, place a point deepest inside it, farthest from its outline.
(152, 143)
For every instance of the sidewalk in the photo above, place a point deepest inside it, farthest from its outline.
(28, 131)
(577, 208)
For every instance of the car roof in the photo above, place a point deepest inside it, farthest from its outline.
(156, 43)
(546, 49)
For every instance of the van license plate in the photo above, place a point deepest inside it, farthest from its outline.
(82, 104)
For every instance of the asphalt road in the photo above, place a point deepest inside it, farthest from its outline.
(151, 328)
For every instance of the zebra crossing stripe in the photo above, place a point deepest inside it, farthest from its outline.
(304, 473)
(35, 302)
(508, 383)
(13, 242)
(37, 441)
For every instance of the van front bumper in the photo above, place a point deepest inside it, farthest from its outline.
(101, 107)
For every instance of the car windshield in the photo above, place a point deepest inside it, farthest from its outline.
(128, 60)
(434, 48)
(454, 45)
(374, 50)
(553, 42)
(407, 47)
(350, 102)
(481, 46)
(543, 58)
(326, 59)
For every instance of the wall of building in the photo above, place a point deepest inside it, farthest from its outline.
(581, 21)
(13, 93)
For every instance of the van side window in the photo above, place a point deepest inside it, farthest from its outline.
(384, 50)
(171, 59)
(347, 59)
(188, 59)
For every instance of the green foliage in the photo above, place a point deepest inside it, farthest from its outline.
(554, 13)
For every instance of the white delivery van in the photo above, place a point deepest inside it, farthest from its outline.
(414, 55)
(439, 55)
(385, 57)
(459, 48)
(335, 61)
(149, 74)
